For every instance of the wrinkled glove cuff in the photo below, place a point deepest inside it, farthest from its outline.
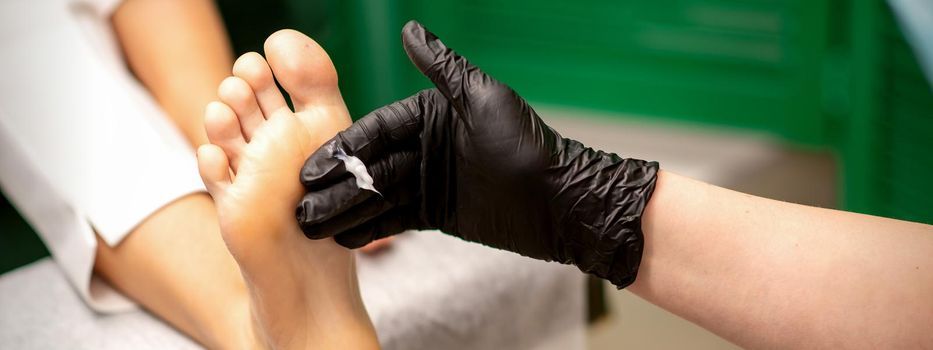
(626, 230)
(603, 234)
(622, 241)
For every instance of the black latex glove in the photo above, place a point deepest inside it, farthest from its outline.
(472, 159)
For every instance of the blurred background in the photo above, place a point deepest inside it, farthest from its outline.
(821, 102)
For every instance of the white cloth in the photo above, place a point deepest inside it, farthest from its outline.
(84, 147)
(434, 291)
(427, 291)
(916, 20)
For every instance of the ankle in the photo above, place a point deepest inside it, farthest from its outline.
(234, 329)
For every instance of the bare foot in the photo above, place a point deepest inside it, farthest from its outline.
(304, 293)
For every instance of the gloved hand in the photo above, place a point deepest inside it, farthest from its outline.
(472, 159)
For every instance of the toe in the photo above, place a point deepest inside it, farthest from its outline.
(238, 95)
(223, 130)
(214, 169)
(253, 69)
(303, 68)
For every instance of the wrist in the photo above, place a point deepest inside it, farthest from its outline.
(604, 208)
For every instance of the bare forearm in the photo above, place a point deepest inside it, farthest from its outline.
(764, 273)
(180, 64)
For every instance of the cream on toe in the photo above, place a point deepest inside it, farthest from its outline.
(304, 293)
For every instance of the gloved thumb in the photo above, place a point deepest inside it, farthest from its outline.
(450, 73)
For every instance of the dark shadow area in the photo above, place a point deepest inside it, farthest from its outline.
(19, 244)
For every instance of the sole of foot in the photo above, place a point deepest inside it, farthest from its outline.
(304, 293)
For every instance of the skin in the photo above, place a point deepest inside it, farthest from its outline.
(769, 274)
(176, 263)
(303, 293)
(180, 64)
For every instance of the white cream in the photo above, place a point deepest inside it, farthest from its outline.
(356, 167)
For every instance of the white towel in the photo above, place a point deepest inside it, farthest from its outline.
(428, 291)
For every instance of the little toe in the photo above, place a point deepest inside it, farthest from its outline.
(223, 130)
(237, 94)
(253, 69)
(303, 69)
(214, 169)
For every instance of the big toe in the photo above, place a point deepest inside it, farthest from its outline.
(303, 69)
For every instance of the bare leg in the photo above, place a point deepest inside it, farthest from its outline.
(175, 264)
(180, 64)
(303, 293)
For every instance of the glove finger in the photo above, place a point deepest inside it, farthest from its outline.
(390, 128)
(322, 168)
(373, 206)
(450, 72)
(388, 224)
(370, 208)
(387, 173)
(317, 206)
